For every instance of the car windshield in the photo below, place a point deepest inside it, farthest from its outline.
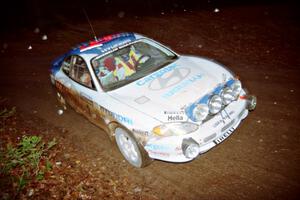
(130, 63)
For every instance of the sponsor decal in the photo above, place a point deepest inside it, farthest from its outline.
(158, 153)
(141, 132)
(224, 115)
(155, 75)
(121, 118)
(79, 102)
(169, 79)
(157, 147)
(224, 136)
(116, 45)
(216, 124)
(173, 116)
(182, 85)
(158, 150)
(118, 117)
(104, 111)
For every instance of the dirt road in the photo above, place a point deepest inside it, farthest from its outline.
(261, 160)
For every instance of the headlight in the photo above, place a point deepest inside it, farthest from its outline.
(180, 128)
(236, 88)
(215, 104)
(200, 112)
(227, 95)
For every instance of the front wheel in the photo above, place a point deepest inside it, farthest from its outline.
(130, 149)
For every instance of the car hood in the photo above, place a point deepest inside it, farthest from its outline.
(167, 91)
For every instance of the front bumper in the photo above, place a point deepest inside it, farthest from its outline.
(209, 134)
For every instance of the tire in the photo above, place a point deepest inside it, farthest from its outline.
(130, 149)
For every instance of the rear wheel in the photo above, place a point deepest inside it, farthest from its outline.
(130, 149)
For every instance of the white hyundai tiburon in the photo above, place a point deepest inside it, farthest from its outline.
(155, 103)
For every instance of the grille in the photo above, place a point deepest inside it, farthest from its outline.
(227, 126)
(210, 137)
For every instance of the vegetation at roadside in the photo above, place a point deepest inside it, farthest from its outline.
(24, 160)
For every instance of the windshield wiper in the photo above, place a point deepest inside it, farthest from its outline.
(121, 83)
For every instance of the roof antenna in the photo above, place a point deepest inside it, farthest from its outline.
(88, 19)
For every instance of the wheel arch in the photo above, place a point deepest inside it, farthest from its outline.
(146, 160)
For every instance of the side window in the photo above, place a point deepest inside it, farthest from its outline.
(66, 65)
(79, 72)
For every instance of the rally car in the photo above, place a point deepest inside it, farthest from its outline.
(155, 103)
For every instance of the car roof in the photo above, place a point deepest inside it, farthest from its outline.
(91, 49)
(105, 44)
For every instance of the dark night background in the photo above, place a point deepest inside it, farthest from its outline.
(35, 13)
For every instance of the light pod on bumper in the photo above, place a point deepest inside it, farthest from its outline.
(215, 104)
(227, 95)
(190, 148)
(236, 88)
(200, 112)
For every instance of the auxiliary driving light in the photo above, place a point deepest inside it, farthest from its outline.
(227, 95)
(215, 104)
(236, 88)
(190, 148)
(200, 112)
